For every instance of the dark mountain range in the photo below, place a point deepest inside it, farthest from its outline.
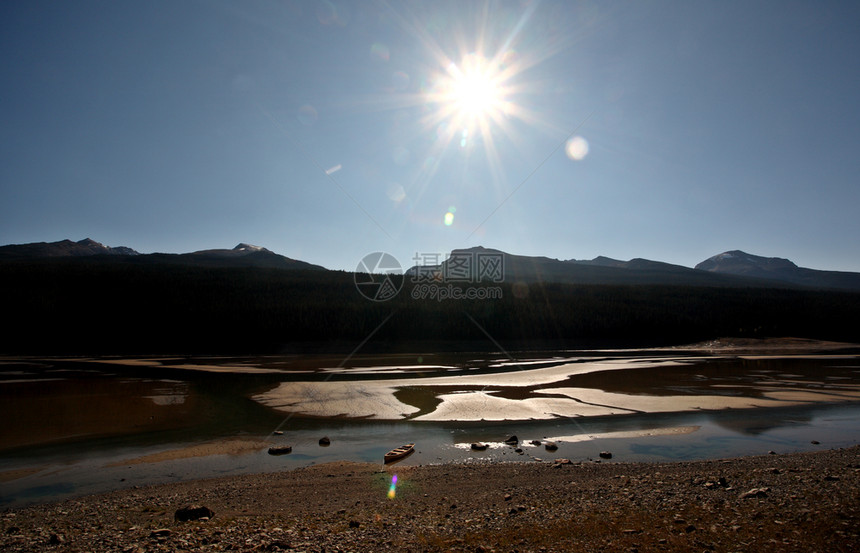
(728, 269)
(732, 269)
(63, 248)
(601, 270)
(243, 255)
(741, 263)
(242, 301)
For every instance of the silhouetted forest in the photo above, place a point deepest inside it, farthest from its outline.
(99, 306)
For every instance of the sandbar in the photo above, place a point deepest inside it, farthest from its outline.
(545, 393)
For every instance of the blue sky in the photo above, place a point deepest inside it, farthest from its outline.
(325, 130)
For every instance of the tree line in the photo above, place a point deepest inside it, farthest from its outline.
(95, 306)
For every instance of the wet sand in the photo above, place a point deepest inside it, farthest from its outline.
(233, 446)
(669, 431)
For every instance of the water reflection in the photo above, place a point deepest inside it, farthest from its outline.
(78, 427)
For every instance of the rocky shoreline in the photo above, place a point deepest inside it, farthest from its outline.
(791, 502)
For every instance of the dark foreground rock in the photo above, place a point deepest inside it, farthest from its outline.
(193, 512)
(692, 506)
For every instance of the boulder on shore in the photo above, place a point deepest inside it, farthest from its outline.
(755, 492)
(193, 512)
(280, 450)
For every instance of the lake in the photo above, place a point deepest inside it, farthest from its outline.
(83, 425)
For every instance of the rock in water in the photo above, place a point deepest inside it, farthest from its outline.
(605, 455)
(551, 446)
(280, 450)
(193, 512)
(325, 441)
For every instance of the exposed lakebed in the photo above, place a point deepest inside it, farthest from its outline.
(76, 426)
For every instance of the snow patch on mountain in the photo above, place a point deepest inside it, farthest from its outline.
(243, 247)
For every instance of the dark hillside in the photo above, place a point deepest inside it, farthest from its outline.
(102, 305)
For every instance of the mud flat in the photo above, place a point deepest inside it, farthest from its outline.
(580, 387)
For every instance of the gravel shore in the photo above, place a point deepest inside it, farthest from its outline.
(792, 502)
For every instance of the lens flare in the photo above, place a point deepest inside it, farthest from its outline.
(380, 52)
(576, 148)
(400, 80)
(307, 115)
(396, 193)
(448, 219)
(392, 490)
(401, 155)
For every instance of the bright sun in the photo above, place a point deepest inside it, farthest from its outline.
(470, 104)
(474, 93)
(471, 95)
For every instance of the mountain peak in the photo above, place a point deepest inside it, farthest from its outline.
(602, 261)
(243, 247)
(777, 269)
(741, 263)
(478, 249)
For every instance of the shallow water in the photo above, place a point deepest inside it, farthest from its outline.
(74, 426)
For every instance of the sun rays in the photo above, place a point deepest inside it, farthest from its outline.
(470, 109)
(472, 101)
(470, 94)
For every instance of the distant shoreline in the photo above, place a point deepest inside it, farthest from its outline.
(339, 351)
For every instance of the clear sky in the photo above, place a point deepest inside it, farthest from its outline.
(325, 130)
